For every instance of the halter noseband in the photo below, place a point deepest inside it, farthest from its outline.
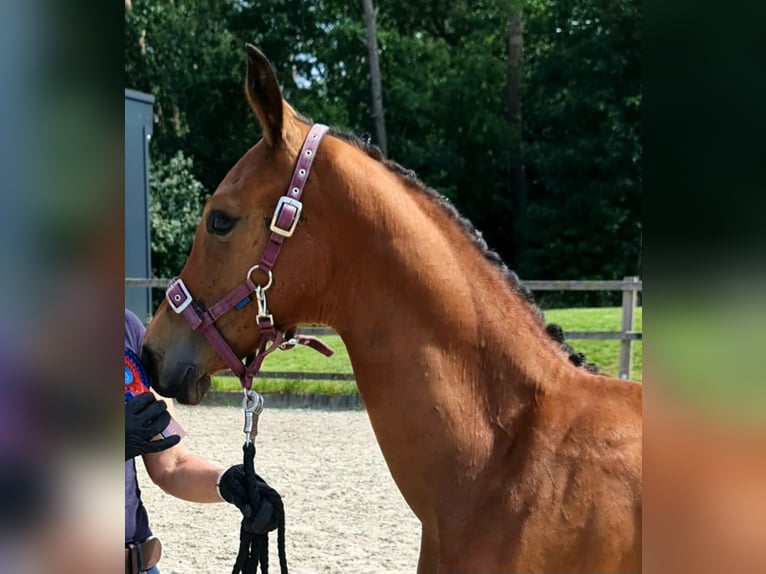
(283, 223)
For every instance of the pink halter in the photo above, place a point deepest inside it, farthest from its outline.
(283, 224)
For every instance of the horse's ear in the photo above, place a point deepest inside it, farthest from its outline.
(264, 95)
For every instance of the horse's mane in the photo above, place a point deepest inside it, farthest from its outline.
(553, 330)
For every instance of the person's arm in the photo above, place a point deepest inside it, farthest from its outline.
(190, 477)
(181, 473)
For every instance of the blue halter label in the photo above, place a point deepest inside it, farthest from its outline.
(242, 303)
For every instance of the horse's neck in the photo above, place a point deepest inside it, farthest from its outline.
(410, 281)
(450, 330)
(446, 354)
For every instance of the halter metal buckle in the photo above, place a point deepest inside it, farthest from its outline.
(260, 299)
(252, 404)
(173, 294)
(286, 202)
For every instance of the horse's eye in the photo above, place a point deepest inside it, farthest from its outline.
(220, 223)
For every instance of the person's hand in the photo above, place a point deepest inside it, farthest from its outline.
(255, 504)
(145, 418)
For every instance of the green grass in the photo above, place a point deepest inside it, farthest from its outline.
(300, 360)
(604, 353)
(305, 359)
(288, 386)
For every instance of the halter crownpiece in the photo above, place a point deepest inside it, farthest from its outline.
(283, 223)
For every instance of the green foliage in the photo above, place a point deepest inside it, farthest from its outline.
(174, 211)
(189, 56)
(582, 106)
(444, 72)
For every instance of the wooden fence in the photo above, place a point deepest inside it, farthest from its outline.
(630, 287)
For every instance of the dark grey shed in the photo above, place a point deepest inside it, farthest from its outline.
(139, 119)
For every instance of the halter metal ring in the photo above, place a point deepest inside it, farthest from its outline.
(271, 276)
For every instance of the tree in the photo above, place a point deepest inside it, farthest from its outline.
(377, 93)
(175, 206)
(518, 180)
(582, 136)
(454, 83)
(188, 56)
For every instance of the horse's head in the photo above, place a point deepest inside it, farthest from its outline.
(230, 240)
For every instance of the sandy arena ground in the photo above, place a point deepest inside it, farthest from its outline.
(344, 513)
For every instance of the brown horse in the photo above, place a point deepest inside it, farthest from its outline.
(513, 458)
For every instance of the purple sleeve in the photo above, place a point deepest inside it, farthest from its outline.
(134, 332)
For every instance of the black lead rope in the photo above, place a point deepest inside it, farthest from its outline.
(253, 532)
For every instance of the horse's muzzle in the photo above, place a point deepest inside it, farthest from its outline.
(176, 379)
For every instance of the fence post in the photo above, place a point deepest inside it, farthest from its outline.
(629, 303)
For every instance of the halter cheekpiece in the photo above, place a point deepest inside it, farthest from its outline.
(283, 223)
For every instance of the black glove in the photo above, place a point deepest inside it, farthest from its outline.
(146, 417)
(255, 504)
